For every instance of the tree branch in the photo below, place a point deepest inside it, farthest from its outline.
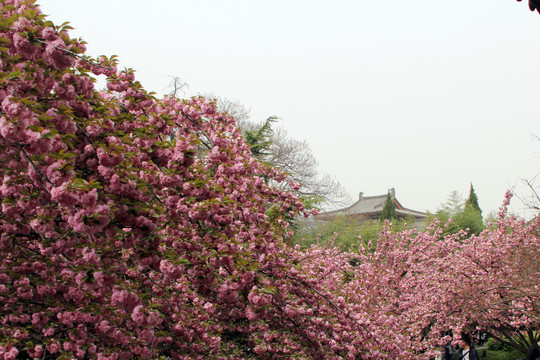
(41, 175)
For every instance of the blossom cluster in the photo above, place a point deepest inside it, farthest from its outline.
(419, 289)
(133, 226)
(137, 227)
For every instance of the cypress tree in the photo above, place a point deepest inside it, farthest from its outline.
(389, 209)
(471, 217)
(472, 201)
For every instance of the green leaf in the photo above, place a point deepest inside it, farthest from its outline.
(269, 290)
(44, 117)
(36, 128)
(76, 50)
(182, 261)
(242, 262)
(94, 184)
(78, 183)
(14, 74)
(48, 135)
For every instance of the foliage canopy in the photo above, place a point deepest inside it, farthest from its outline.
(389, 209)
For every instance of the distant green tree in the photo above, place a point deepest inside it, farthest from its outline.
(389, 209)
(346, 232)
(259, 139)
(471, 217)
(472, 201)
(466, 215)
(272, 145)
(341, 231)
(491, 219)
(453, 205)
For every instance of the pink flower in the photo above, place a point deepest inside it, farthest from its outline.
(48, 332)
(90, 256)
(54, 54)
(9, 353)
(153, 319)
(54, 348)
(171, 270)
(294, 185)
(251, 315)
(90, 198)
(36, 352)
(138, 315)
(49, 34)
(64, 197)
(24, 46)
(109, 160)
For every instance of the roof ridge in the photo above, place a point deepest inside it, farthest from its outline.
(373, 197)
(366, 205)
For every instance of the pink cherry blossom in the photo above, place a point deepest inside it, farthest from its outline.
(137, 227)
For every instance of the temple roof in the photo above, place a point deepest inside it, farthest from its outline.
(373, 205)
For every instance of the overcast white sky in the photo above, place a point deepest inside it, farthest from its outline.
(424, 96)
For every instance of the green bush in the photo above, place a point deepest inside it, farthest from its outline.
(344, 232)
(493, 344)
(496, 350)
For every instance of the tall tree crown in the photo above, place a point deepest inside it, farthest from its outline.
(389, 209)
(472, 200)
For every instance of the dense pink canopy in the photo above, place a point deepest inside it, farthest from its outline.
(137, 227)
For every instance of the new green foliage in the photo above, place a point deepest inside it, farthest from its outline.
(345, 232)
(466, 215)
(260, 139)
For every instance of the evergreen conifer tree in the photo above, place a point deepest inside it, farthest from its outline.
(471, 217)
(465, 214)
(260, 139)
(389, 209)
(472, 201)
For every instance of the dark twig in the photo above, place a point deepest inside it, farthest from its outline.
(177, 85)
(334, 305)
(202, 131)
(71, 53)
(152, 345)
(84, 133)
(41, 175)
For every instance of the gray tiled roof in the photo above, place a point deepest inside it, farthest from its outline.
(371, 205)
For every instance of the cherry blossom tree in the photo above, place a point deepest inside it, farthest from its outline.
(133, 226)
(137, 227)
(430, 286)
(271, 143)
(498, 271)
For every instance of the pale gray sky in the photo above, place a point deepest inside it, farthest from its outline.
(425, 96)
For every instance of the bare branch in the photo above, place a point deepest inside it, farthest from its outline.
(177, 86)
